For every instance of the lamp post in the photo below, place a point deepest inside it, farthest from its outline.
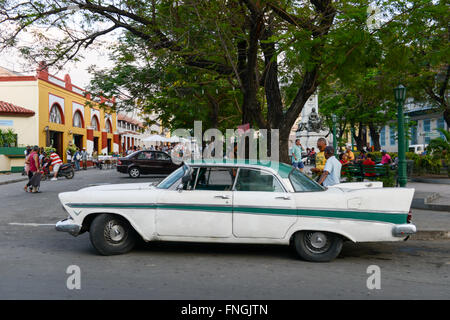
(400, 95)
(333, 117)
(407, 134)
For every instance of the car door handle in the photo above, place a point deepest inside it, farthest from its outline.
(223, 197)
(283, 197)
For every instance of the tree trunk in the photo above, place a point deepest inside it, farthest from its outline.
(360, 138)
(375, 135)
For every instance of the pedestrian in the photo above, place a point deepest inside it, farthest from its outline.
(320, 159)
(56, 163)
(35, 174)
(332, 171)
(84, 158)
(76, 159)
(69, 155)
(28, 173)
(296, 155)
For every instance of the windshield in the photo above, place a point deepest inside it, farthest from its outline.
(172, 178)
(302, 183)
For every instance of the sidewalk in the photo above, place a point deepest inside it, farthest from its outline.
(431, 196)
(6, 178)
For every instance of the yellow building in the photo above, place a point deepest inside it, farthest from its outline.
(61, 117)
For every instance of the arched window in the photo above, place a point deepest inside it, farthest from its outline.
(108, 127)
(78, 119)
(94, 123)
(56, 114)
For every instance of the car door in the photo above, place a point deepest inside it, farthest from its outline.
(203, 211)
(143, 161)
(262, 208)
(163, 163)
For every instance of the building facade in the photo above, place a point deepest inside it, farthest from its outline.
(424, 121)
(61, 117)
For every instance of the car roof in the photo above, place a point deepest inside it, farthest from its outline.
(280, 168)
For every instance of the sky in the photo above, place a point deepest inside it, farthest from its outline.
(78, 71)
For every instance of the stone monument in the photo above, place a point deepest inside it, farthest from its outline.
(310, 125)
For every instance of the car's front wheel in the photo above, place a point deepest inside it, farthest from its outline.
(111, 235)
(318, 246)
(134, 172)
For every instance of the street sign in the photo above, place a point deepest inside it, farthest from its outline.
(430, 134)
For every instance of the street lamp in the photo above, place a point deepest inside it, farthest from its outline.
(334, 118)
(408, 133)
(400, 95)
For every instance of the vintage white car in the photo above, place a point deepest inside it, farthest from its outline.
(239, 202)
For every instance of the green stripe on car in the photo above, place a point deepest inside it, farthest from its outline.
(396, 218)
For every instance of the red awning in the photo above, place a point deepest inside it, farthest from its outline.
(11, 109)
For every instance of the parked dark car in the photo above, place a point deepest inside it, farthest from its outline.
(146, 162)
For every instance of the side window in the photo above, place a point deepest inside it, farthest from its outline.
(215, 179)
(190, 185)
(162, 156)
(257, 180)
(145, 156)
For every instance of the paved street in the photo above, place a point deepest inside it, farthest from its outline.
(35, 257)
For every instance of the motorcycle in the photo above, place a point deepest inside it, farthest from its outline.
(65, 170)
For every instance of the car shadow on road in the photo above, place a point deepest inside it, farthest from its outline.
(349, 251)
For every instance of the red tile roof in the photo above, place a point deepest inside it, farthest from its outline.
(11, 109)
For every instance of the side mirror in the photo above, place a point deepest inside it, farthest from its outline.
(180, 187)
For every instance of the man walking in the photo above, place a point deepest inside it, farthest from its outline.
(34, 171)
(332, 171)
(76, 159)
(320, 157)
(84, 158)
(296, 155)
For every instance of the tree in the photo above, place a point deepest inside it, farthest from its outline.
(276, 53)
(420, 55)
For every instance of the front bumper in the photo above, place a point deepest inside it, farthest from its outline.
(68, 225)
(404, 230)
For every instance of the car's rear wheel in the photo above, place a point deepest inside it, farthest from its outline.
(318, 246)
(111, 235)
(134, 172)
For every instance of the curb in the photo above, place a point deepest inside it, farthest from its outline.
(425, 203)
(13, 181)
(428, 235)
(432, 181)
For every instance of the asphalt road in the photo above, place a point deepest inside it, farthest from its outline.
(34, 259)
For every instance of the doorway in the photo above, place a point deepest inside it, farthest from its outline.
(109, 146)
(56, 139)
(78, 141)
(96, 144)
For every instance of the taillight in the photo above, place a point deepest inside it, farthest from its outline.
(408, 219)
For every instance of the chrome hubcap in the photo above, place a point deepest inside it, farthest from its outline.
(317, 242)
(114, 232)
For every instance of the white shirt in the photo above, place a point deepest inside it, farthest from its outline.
(333, 167)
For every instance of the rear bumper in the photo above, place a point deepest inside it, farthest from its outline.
(403, 230)
(68, 225)
(122, 169)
